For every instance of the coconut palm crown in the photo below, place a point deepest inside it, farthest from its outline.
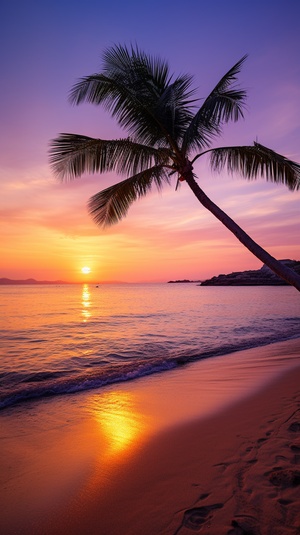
(167, 131)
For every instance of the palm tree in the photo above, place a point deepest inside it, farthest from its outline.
(167, 133)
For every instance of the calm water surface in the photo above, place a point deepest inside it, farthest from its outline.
(69, 338)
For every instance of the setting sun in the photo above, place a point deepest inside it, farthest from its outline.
(85, 270)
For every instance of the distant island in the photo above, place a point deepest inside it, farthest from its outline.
(260, 277)
(181, 281)
(5, 281)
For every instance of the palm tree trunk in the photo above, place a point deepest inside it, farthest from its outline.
(290, 276)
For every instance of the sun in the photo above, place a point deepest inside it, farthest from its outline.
(86, 270)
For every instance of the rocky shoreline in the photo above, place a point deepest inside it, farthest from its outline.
(260, 277)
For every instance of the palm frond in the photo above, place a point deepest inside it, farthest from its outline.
(133, 87)
(174, 107)
(200, 132)
(257, 160)
(224, 107)
(169, 114)
(224, 103)
(132, 107)
(133, 69)
(71, 155)
(110, 205)
(231, 76)
(121, 61)
(89, 89)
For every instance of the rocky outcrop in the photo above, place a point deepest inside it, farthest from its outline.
(260, 277)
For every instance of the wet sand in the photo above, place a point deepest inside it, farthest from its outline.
(211, 448)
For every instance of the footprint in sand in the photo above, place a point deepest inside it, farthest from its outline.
(196, 517)
(284, 502)
(244, 525)
(279, 458)
(222, 466)
(295, 449)
(294, 427)
(203, 496)
(284, 478)
(261, 440)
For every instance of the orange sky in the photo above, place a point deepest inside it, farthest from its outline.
(46, 232)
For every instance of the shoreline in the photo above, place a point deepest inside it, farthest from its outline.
(211, 448)
(20, 399)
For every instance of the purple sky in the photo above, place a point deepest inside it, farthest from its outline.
(46, 46)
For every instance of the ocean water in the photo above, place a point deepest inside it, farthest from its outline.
(70, 338)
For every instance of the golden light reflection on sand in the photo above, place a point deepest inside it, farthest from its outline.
(122, 425)
(86, 303)
(119, 429)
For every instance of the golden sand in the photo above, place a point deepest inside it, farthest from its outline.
(213, 448)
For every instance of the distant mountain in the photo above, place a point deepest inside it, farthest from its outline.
(5, 281)
(260, 277)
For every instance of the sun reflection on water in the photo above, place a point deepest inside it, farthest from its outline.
(86, 303)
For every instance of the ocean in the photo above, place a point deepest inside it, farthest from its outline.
(70, 338)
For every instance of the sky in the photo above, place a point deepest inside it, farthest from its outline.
(46, 46)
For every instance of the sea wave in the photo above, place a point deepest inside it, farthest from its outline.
(113, 368)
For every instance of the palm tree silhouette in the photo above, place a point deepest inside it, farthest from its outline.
(167, 133)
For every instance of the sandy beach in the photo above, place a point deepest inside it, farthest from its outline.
(211, 448)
